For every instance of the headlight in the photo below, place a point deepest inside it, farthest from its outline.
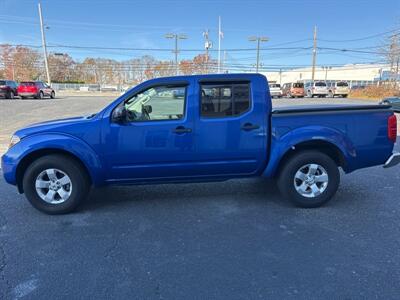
(14, 140)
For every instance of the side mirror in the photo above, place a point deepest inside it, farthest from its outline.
(148, 109)
(119, 114)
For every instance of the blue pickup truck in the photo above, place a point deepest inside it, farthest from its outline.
(195, 129)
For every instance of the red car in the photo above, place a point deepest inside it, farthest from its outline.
(35, 89)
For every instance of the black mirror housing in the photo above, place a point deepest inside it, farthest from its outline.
(119, 114)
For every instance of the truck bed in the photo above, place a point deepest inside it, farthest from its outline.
(306, 109)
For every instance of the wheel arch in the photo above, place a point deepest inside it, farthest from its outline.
(32, 156)
(325, 147)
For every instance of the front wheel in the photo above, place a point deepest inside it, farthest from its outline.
(55, 184)
(52, 95)
(309, 179)
(10, 95)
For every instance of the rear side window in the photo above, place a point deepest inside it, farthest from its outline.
(224, 100)
(2, 82)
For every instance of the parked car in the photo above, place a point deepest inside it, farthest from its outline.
(275, 90)
(293, 90)
(392, 101)
(316, 88)
(340, 88)
(35, 89)
(223, 128)
(8, 89)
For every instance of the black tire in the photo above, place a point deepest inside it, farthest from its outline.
(287, 180)
(40, 95)
(52, 95)
(79, 187)
(23, 97)
(345, 96)
(10, 95)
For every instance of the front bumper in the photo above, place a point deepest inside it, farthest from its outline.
(9, 168)
(393, 160)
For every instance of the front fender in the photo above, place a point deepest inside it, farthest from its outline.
(284, 139)
(51, 141)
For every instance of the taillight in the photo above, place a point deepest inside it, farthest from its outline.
(392, 128)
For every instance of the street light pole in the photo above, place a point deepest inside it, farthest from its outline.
(46, 64)
(176, 51)
(258, 39)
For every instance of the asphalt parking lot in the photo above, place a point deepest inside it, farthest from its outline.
(231, 240)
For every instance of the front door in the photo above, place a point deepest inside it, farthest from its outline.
(156, 142)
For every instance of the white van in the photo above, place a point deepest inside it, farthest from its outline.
(318, 88)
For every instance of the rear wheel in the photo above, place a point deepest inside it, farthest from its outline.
(344, 96)
(40, 95)
(309, 179)
(55, 184)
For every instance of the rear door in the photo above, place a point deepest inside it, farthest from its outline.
(231, 128)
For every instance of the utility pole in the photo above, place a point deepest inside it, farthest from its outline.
(46, 64)
(223, 69)
(207, 46)
(176, 51)
(258, 39)
(314, 54)
(220, 36)
(326, 71)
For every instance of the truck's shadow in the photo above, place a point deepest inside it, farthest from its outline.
(254, 190)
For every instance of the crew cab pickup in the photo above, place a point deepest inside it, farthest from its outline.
(199, 128)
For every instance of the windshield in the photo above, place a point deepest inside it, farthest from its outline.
(275, 85)
(320, 84)
(298, 85)
(27, 83)
(342, 84)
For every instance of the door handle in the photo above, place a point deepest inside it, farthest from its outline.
(181, 129)
(249, 126)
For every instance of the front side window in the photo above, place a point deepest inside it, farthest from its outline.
(157, 103)
(224, 100)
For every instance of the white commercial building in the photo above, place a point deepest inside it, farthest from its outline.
(355, 74)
